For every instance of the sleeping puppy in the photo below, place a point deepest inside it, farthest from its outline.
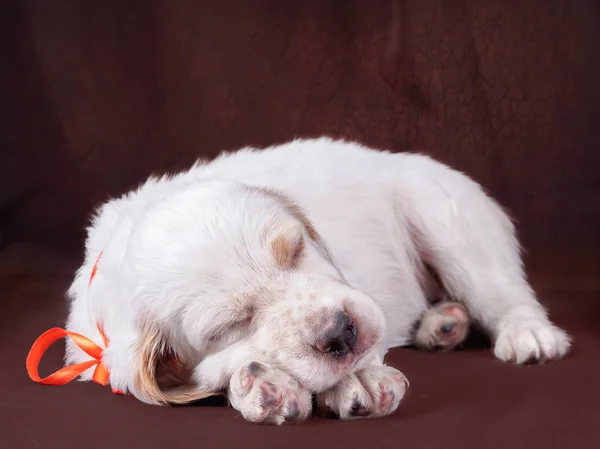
(278, 274)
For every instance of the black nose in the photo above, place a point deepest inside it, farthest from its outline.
(447, 328)
(340, 338)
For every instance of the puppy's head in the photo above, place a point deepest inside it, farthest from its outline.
(246, 263)
(309, 321)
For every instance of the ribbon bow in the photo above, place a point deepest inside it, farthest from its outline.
(70, 372)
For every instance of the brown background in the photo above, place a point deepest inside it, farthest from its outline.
(97, 95)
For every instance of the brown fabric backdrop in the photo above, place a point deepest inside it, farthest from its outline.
(97, 95)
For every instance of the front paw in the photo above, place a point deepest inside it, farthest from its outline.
(525, 340)
(370, 393)
(267, 395)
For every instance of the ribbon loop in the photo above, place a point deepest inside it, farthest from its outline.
(70, 372)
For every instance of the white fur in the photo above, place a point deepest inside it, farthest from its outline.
(184, 251)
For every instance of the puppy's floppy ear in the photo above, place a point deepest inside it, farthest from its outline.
(163, 376)
(287, 248)
(297, 212)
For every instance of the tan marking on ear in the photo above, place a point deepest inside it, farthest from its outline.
(163, 376)
(287, 250)
(301, 216)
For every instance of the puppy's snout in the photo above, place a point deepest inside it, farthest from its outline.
(340, 337)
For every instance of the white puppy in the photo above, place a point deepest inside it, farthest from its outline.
(282, 273)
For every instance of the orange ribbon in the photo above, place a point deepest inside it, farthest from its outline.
(70, 372)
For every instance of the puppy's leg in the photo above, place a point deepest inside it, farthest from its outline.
(470, 242)
(443, 326)
(261, 392)
(371, 392)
